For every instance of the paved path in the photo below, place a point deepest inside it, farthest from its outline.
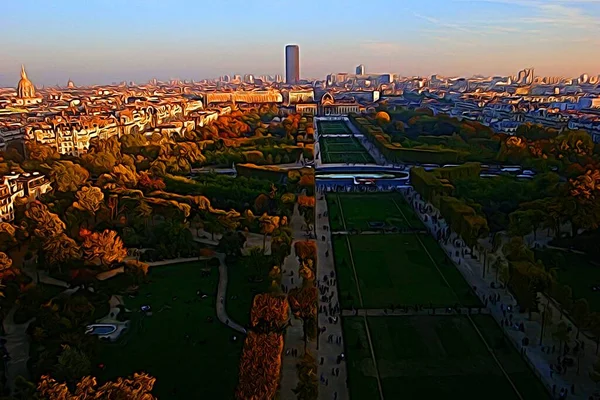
(540, 361)
(222, 297)
(43, 277)
(410, 313)
(329, 351)
(294, 334)
(17, 346)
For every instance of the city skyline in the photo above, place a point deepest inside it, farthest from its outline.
(491, 37)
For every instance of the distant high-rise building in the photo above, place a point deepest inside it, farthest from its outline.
(525, 76)
(360, 70)
(292, 63)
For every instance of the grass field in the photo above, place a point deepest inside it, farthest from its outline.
(417, 357)
(362, 375)
(332, 127)
(436, 358)
(158, 344)
(395, 269)
(346, 149)
(360, 209)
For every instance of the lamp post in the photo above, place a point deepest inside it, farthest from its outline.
(543, 322)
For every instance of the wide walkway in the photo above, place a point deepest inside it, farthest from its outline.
(539, 360)
(373, 312)
(329, 350)
(17, 347)
(294, 334)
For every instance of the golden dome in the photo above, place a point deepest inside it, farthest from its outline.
(25, 89)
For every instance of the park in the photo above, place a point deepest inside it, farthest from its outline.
(403, 315)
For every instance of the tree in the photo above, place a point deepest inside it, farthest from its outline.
(262, 204)
(45, 224)
(516, 250)
(99, 163)
(73, 364)
(68, 176)
(502, 270)
(138, 387)
(256, 260)
(7, 270)
(89, 199)
(231, 243)
(267, 225)
(40, 152)
(60, 249)
(212, 225)
(144, 212)
(308, 385)
(581, 314)
(303, 302)
(8, 236)
(103, 248)
(562, 334)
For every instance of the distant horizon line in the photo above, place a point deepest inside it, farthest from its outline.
(312, 79)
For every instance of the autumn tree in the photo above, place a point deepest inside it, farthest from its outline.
(89, 199)
(68, 176)
(303, 302)
(45, 224)
(267, 225)
(40, 152)
(7, 269)
(104, 248)
(73, 364)
(138, 387)
(60, 249)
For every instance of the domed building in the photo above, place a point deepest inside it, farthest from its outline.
(70, 84)
(26, 91)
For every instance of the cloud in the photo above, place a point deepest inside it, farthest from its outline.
(443, 24)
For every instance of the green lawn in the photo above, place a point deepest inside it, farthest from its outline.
(519, 372)
(442, 357)
(346, 283)
(362, 375)
(343, 150)
(576, 271)
(332, 127)
(360, 209)
(396, 269)
(158, 344)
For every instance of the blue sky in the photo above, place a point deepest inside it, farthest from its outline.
(101, 41)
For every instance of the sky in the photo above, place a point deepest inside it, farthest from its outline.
(105, 41)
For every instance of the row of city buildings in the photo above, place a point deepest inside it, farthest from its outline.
(69, 118)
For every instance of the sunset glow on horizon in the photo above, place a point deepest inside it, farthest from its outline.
(99, 42)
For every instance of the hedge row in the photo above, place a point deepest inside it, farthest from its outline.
(396, 153)
(435, 187)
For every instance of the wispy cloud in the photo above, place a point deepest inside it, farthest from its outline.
(443, 24)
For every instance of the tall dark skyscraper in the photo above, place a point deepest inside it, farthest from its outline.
(292, 63)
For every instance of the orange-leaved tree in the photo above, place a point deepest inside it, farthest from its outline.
(306, 250)
(138, 387)
(260, 366)
(103, 248)
(269, 313)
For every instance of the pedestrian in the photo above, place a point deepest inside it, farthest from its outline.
(572, 388)
(322, 359)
